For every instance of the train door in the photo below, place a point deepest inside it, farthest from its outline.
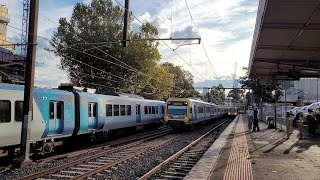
(92, 115)
(55, 117)
(138, 113)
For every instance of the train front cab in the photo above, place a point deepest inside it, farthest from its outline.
(232, 112)
(177, 112)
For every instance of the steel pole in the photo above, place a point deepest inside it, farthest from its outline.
(317, 90)
(29, 78)
(285, 108)
(125, 24)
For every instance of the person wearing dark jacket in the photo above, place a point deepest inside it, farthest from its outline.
(255, 120)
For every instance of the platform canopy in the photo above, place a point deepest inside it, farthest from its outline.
(286, 37)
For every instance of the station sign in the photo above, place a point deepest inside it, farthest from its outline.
(286, 76)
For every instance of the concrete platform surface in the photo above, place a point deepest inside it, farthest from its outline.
(266, 154)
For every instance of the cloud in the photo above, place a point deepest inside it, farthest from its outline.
(225, 26)
(47, 64)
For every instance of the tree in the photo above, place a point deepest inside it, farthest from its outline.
(260, 90)
(216, 94)
(183, 81)
(132, 69)
(236, 94)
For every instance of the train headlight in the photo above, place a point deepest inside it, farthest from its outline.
(229, 113)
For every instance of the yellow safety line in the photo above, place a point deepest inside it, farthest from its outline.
(239, 163)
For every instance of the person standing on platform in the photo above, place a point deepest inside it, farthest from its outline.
(311, 122)
(250, 117)
(255, 120)
(317, 115)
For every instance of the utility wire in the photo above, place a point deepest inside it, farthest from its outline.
(164, 43)
(108, 73)
(128, 67)
(200, 36)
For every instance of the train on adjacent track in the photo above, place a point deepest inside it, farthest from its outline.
(182, 112)
(233, 112)
(65, 114)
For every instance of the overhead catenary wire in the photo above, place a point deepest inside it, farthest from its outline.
(165, 44)
(202, 40)
(128, 67)
(97, 58)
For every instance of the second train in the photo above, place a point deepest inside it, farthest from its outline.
(181, 112)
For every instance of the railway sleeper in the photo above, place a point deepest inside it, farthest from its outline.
(61, 176)
(179, 169)
(89, 165)
(81, 169)
(171, 177)
(176, 173)
(73, 172)
(183, 164)
(97, 163)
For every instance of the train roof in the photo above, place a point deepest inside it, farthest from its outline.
(117, 97)
(192, 100)
(14, 87)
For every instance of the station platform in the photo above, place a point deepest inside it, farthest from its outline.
(239, 154)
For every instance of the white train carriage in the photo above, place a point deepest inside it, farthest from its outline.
(53, 114)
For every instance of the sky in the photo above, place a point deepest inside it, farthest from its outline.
(225, 27)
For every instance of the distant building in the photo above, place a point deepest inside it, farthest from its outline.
(12, 66)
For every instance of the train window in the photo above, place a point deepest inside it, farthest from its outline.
(162, 109)
(153, 110)
(190, 110)
(18, 110)
(128, 110)
(89, 111)
(150, 109)
(146, 110)
(157, 110)
(116, 110)
(59, 110)
(109, 110)
(207, 109)
(200, 109)
(5, 111)
(51, 110)
(123, 110)
(95, 112)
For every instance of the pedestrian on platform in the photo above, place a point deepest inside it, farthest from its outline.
(311, 123)
(317, 115)
(296, 118)
(255, 120)
(250, 117)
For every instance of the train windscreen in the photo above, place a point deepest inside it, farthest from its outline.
(232, 110)
(177, 108)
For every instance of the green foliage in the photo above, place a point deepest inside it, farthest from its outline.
(259, 90)
(102, 22)
(216, 95)
(236, 94)
(183, 81)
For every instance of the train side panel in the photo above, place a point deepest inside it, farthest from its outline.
(44, 123)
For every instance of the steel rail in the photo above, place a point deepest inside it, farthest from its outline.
(83, 160)
(167, 161)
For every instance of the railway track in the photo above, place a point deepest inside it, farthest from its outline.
(181, 163)
(96, 148)
(104, 159)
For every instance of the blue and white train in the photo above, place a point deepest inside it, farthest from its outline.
(184, 111)
(58, 114)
